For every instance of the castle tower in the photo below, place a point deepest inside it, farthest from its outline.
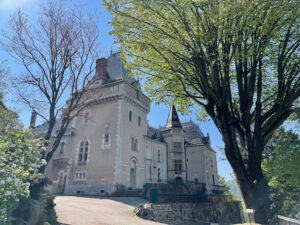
(174, 137)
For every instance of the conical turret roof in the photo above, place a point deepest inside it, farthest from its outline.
(173, 119)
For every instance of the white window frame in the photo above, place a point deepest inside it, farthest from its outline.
(105, 144)
(86, 143)
(80, 176)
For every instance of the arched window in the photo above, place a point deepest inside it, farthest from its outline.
(83, 151)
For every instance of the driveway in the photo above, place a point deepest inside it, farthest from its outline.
(74, 210)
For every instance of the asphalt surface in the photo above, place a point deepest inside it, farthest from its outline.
(73, 210)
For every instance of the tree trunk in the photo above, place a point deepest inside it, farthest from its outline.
(255, 193)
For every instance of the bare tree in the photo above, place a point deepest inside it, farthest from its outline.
(58, 55)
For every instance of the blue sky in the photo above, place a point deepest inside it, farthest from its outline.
(158, 114)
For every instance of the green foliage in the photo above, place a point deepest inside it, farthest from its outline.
(7, 119)
(281, 167)
(48, 205)
(20, 159)
(180, 46)
(222, 182)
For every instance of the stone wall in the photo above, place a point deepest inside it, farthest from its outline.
(192, 213)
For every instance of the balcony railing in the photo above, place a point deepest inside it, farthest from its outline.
(70, 132)
(217, 188)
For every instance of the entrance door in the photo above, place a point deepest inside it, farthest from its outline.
(62, 183)
(133, 174)
(178, 180)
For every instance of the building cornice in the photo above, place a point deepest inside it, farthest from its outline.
(137, 104)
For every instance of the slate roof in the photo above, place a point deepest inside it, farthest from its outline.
(41, 130)
(193, 133)
(155, 134)
(173, 119)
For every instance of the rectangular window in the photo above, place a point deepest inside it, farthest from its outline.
(87, 116)
(158, 155)
(213, 179)
(130, 116)
(212, 163)
(139, 121)
(178, 165)
(106, 138)
(132, 143)
(138, 95)
(177, 147)
(80, 175)
(158, 174)
(62, 147)
(207, 178)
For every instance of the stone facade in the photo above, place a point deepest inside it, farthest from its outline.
(111, 143)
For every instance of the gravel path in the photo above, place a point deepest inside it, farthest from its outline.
(73, 210)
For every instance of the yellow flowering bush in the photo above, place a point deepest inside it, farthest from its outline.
(20, 160)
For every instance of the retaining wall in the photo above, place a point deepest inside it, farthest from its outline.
(193, 213)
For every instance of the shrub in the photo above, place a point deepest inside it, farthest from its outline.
(20, 159)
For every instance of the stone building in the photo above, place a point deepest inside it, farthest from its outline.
(111, 143)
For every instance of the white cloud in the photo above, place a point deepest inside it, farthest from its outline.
(13, 4)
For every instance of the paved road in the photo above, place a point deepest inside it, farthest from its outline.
(72, 210)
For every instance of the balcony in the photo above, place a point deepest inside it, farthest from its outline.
(217, 188)
(70, 132)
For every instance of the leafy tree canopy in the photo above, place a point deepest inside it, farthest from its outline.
(281, 166)
(236, 59)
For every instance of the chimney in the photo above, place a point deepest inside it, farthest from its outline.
(101, 68)
(32, 120)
